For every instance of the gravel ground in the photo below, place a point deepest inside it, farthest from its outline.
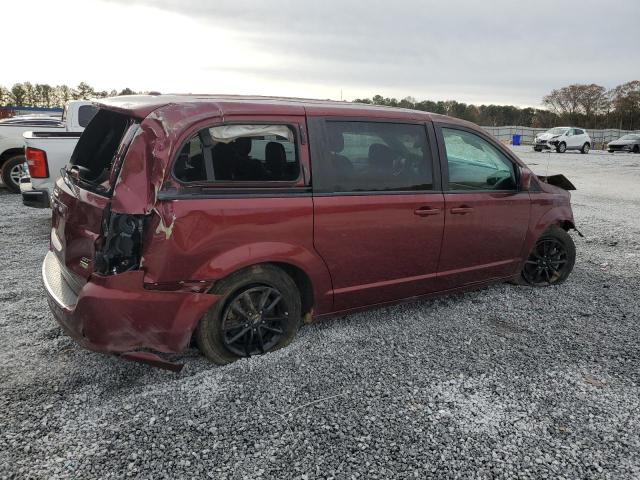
(504, 382)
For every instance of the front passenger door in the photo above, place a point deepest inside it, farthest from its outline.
(486, 216)
(378, 209)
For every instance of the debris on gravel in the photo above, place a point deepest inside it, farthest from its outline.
(507, 381)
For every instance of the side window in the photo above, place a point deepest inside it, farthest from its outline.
(374, 156)
(577, 131)
(239, 153)
(85, 114)
(475, 164)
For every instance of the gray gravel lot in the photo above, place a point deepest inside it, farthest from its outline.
(504, 382)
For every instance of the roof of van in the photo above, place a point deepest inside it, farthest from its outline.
(141, 106)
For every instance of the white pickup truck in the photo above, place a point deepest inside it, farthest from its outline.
(75, 117)
(46, 154)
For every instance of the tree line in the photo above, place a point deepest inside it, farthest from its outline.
(588, 106)
(585, 105)
(29, 94)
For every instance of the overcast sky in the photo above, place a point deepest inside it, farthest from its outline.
(505, 51)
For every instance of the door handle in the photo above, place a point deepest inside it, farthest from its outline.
(461, 210)
(426, 211)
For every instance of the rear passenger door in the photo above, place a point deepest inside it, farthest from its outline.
(378, 209)
(487, 216)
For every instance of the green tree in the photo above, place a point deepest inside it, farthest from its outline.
(5, 96)
(83, 91)
(18, 95)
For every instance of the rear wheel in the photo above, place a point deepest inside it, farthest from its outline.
(11, 171)
(561, 148)
(551, 260)
(259, 312)
(585, 148)
(537, 149)
(636, 149)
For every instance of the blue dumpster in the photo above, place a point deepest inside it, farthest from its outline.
(515, 140)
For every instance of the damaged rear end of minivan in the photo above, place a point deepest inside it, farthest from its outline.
(101, 228)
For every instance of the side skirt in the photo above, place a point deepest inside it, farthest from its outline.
(464, 288)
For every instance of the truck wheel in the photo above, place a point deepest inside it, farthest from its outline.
(585, 148)
(258, 312)
(551, 260)
(561, 148)
(11, 171)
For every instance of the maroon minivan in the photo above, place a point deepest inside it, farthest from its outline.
(230, 220)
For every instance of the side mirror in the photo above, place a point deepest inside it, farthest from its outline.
(525, 179)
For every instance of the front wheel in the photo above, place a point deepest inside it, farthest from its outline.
(258, 312)
(585, 148)
(636, 149)
(561, 148)
(11, 171)
(551, 260)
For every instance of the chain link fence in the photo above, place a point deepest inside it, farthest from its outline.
(599, 137)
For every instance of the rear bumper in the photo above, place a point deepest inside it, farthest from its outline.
(33, 197)
(36, 198)
(117, 314)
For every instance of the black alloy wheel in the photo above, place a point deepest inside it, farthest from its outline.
(254, 320)
(548, 263)
(259, 311)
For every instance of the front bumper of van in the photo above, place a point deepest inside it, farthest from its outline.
(117, 314)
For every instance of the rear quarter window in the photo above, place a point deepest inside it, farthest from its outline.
(239, 153)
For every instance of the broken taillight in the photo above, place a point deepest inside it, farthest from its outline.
(37, 162)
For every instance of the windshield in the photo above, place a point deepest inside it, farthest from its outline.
(630, 137)
(557, 130)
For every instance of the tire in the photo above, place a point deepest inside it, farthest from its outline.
(10, 172)
(219, 334)
(636, 149)
(585, 148)
(561, 148)
(552, 259)
(610, 151)
(538, 149)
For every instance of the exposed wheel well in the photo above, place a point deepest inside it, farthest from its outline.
(12, 152)
(299, 277)
(566, 225)
(303, 283)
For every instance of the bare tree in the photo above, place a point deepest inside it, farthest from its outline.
(565, 101)
(626, 101)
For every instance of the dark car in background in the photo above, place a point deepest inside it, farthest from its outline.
(626, 143)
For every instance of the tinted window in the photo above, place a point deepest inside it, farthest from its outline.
(256, 158)
(577, 131)
(475, 164)
(85, 114)
(374, 156)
